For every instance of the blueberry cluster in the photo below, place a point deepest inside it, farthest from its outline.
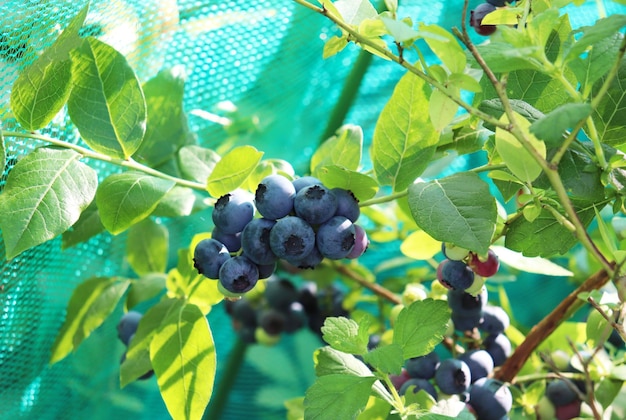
(126, 329)
(283, 308)
(468, 373)
(300, 222)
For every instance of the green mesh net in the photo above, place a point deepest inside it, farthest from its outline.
(258, 63)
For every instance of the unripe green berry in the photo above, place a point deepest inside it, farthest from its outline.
(413, 292)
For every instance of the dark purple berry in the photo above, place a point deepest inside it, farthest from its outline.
(238, 274)
(255, 241)
(274, 197)
(455, 275)
(476, 18)
(423, 367)
(347, 204)
(208, 257)
(233, 211)
(292, 238)
(336, 238)
(490, 399)
(315, 204)
(479, 362)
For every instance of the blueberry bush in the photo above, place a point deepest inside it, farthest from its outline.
(542, 103)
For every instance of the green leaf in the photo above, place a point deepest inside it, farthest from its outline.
(329, 361)
(610, 114)
(232, 170)
(196, 163)
(599, 31)
(184, 361)
(295, 408)
(502, 57)
(3, 153)
(552, 127)
(335, 397)
(44, 195)
(343, 149)
(166, 128)
(178, 202)
(399, 30)
(146, 247)
(449, 51)
(535, 265)
(90, 304)
(106, 102)
(442, 110)
(137, 360)
(127, 198)
(457, 209)
(597, 328)
(544, 237)
(86, 227)
(346, 335)
(607, 391)
(421, 326)
(145, 288)
(597, 62)
(333, 46)
(515, 156)
(362, 186)
(42, 89)
(388, 359)
(404, 139)
(354, 12)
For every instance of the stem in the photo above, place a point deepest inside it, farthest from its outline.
(618, 327)
(229, 375)
(374, 287)
(384, 199)
(126, 163)
(546, 326)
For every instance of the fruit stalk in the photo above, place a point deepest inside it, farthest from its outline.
(543, 329)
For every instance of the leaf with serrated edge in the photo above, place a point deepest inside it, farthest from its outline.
(184, 361)
(106, 102)
(388, 359)
(458, 209)
(90, 304)
(335, 397)
(146, 247)
(42, 89)
(610, 114)
(404, 139)
(346, 335)
(127, 198)
(232, 170)
(44, 195)
(421, 326)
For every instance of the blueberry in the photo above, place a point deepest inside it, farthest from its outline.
(127, 326)
(233, 211)
(453, 252)
(462, 303)
(347, 204)
(336, 238)
(295, 317)
(487, 267)
(399, 380)
(361, 242)
(238, 274)
(311, 260)
(423, 367)
(274, 197)
(244, 313)
(272, 321)
(466, 322)
(495, 320)
(498, 3)
(560, 393)
(255, 241)
(280, 293)
(476, 19)
(453, 376)
(232, 241)
(292, 238)
(455, 274)
(490, 399)
(499, 347)
(479, 362)
(418, 384)
(266, 270)
(315, 204)
(307, 296)
(208, 257)
(305, 181)
(568, 411)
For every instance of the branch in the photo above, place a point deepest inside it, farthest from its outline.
(546, 326)
(374, 287)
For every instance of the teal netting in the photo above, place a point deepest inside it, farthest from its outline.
(264, 57)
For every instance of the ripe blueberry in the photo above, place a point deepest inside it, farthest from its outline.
(360, 242)
(255, 241)
(292, 238)
(455, 274)
(479, 362)
(418, 384)
(499, 347)
(238, 274)
(560, 392)
(490, 399)
(423, 367)
(495, 320)
(462, 303)
(315, 204)
(336, 238)
(305, 181)
(453, 376)
(232, 241)
(274, 197)
(233, 211)
(347, 204)
(127, 326)
(208, 257)
(476, 18)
